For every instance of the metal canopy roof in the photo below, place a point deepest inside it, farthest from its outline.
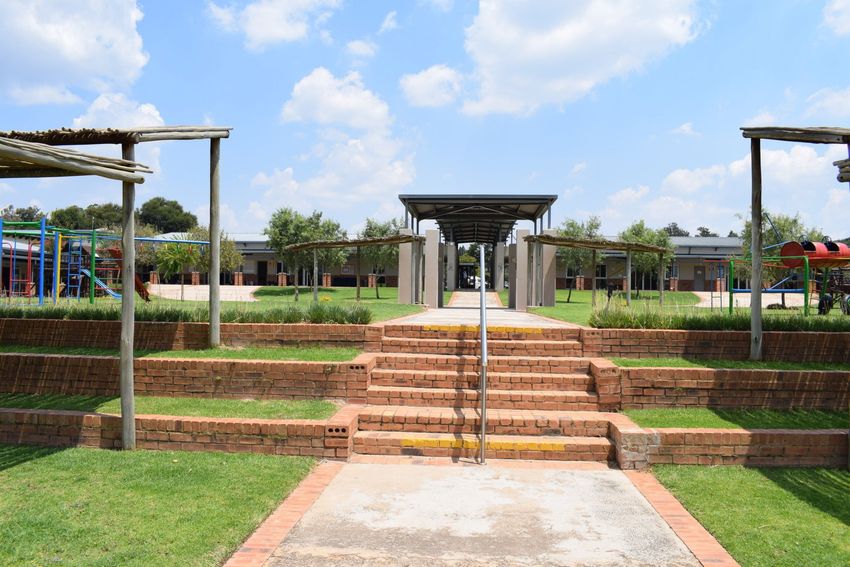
(477, 218)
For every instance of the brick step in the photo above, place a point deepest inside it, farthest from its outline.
(560, 400)
(553, 448)
(473, 332)
(471, 363)
(473, 346)
(495, 380)
(466, 420)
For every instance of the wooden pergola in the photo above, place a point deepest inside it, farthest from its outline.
(31, 154)
(357, 243)
(595, 245)
(814, 135)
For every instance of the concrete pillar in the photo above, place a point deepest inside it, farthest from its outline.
(499, 266)
(441, 263)
(154, 278)
(549, 271)
(522, 271)
(512, 276)
(433, 287)
(195, 278)
(405, 269)
(451, 266)
(282, 279)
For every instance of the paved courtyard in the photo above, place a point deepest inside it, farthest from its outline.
(421, 515)
(464, 310)
(202, 292)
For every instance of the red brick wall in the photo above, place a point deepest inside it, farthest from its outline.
(331, 438)
(703, 387)
(734, 345)
(98, 375)
(758, 448)
(179, 336)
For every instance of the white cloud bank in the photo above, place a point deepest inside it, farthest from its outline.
(558, 52)
(836, 16)
(268, 22)
(437, 85)
(52, 48)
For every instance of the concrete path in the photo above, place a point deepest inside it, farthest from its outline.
(463, 309)
(401, 514)
(743, 299)
(202, 292)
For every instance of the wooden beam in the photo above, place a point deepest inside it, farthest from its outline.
(357, 270)
(128, 317)
(315, 275)
(661, 279)
(214, 275)
(756, 252)
(30, 172)
(67, 163)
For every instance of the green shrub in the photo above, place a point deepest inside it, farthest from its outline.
(359, 315)
(291, 314)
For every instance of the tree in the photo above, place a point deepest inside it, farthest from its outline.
(705, 232)
(229, 256)
(673, 229)
(174, 258)
(380, 256)
(25, 214)
(646, 262)
(288, 226)
(578, 258)
(167, 215)
(106, 215)
(732, 234)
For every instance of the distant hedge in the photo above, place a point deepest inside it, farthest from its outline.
(621, 318)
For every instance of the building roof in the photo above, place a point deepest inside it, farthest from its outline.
(485, 218)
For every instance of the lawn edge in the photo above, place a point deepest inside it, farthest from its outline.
(261, 544)
(696, 538)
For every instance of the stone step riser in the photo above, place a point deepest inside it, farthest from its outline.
(525, 366)
(543, 382)
(584, 403)
(472, 426)
(474, 334)
(473, 348)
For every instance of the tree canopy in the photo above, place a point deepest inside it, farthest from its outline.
(380, 257)
(23, 214)
(230, 256)
(705, 232)
(673, 229)
(166, 215)
(106, 215)
(639, 232)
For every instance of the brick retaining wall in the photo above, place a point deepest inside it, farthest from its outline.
(705, 387)
(151, 335)
(98, 376)
(331, 438)
(731, 345)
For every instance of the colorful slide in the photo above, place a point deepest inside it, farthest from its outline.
(140, 287)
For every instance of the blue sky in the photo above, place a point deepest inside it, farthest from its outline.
(625, 110)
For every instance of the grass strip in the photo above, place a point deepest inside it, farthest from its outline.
(299, 353)
(194, 407)
(739, 418)
(769, 517)
(135, 508)
(728, 364)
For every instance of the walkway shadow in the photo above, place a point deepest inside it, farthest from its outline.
(14, 455)
(828, 490)
(54, 402)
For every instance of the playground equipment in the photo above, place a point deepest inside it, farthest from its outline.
(90, 260)
(781, 286)
(833, 259)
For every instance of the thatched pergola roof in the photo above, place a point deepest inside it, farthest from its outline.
(89, 136)
(595, 244)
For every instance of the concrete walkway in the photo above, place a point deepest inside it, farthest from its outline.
(463, 309)
(421, 515)
(202, 292)
(743, 299)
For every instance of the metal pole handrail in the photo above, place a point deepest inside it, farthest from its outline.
(483, 326)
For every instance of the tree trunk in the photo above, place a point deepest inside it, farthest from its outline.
(570, 289)
(182, 281)
(377, 293)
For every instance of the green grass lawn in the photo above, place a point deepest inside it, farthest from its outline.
(734, 364)
(198, 407)
(299, 353)
(769, 517)
(739, 418)
(135, 508)
(580, 307)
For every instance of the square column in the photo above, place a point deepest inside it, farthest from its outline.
(441, 281)
(499, 266)
(451, 266)
(548, 272)
(512, 276)
(405, 269)
(433, 284)
(522, 271)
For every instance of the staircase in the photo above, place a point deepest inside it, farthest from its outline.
(423, 397)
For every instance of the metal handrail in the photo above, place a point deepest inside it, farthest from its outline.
(483, 383)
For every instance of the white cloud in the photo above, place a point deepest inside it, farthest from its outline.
(628, 196)
(686, 129)
(358, 160)
(829, 103)
(763, 118)
(51, 48)
(836, 16)
(362, 48)
(390, 22)
(268, 22)
(559, 52)
(437, 85)
(578, 168)
(692, 180)
(440, 5)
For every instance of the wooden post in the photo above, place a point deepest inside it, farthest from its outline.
(661, 279)
(593, 280)
(755, 285)
(214, 275)
(628, 286)
(357, 269)
(128, 316)
(315, 275)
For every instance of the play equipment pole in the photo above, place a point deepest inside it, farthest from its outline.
(731, 284)
(42, 228)
(56, 240)
(92, 264)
